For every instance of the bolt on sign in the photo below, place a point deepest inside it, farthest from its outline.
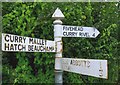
(91, 67)
(27, 44)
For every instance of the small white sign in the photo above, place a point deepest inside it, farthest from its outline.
(76, 31)
(20, 43)
(91, 67)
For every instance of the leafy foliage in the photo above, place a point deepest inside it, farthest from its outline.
(34, 20)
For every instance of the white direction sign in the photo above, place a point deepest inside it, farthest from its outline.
(91, 67)
(77, 31)
(20, 43)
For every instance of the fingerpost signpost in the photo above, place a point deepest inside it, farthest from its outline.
(58, 40)
(91, 67)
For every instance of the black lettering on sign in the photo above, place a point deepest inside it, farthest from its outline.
(79, 63)
(21, 47)
(93, 35)
(49, 48)
(85, 63)
(84, 34)
(37, 41)
(16, 39)
(11, 47)
(24, 38)
(39, 48)
(82, 63)
(45, 42)
(71, 62)
(64, 33)
(42, 48)
(6, 38)
(63, 27)
(101, 70)
(24, 47)
(34, 41)
(72, 28)
(69, 28)
(30, 47)
(80, 33)
(11, 38)
(88, 64)
(6, 46)
(20, 39)
(15, 46)
(70, 34)
(36, 48)
(30, 40)
(42, 42)
(80, 29)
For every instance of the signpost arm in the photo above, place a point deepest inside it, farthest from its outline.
(58, 40)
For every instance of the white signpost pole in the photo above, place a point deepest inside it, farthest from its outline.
(58, 15)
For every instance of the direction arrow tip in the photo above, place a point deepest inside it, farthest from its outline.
(96, 33)
(58, 14)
